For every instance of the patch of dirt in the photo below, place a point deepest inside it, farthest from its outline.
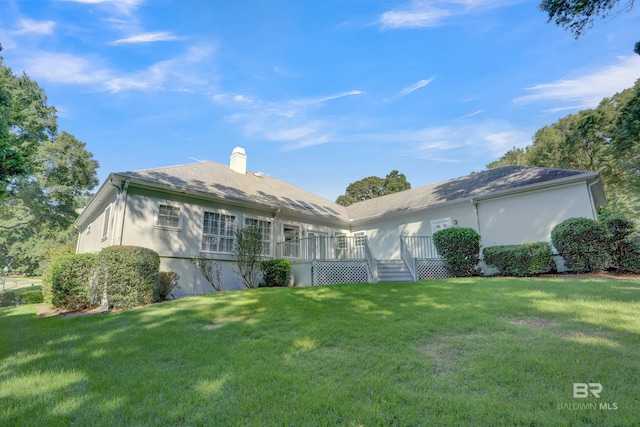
(212, 326)
(45, 310)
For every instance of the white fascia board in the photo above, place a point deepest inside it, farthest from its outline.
(105, 191)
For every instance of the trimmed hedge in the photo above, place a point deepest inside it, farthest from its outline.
(32, 297)
(67, 280)
(127, 275)
(275, 272)
(460, 248)
(625, 251)
(584, 243)
(520, 260)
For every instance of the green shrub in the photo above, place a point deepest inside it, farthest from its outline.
(460, 248)
(584, 243)
(167, 281)
(625, 251)
(10, 299)
(127, 275)
(520, 260)
(67, 281)
(32, 297)
(275, 272)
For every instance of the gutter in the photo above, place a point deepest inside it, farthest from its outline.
(594, 211)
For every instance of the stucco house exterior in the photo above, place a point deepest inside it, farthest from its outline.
(189, 210)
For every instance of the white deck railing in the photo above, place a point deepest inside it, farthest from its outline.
(421, 247)
(324, 248)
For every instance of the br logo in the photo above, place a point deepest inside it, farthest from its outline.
(582, 390)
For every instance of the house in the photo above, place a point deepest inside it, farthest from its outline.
(189, 210)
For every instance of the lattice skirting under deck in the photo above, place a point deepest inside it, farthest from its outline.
(431, 269)
(331, 272)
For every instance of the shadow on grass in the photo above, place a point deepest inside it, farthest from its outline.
(488, 351)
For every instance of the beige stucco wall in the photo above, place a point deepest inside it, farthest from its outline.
(384, 236)
(530, 217)
(90, 236)
(177, 246)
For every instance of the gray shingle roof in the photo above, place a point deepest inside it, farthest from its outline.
(220, 181)
(474, 185)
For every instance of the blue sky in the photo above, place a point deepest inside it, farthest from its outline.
(319, 93)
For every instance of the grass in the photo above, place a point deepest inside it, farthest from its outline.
(482, 351)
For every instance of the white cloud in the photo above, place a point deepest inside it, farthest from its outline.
(122, 6)
(160, 36)
(586, 90)
(475, 113)
(65, 68)
(324, 99)
(294, 123)
(492, 137)
(410, 89)
(426, 14)
(420, 17)
(175, 74)
(29, 26)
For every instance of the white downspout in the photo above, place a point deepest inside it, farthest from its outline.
(125, 190)
(594, 211)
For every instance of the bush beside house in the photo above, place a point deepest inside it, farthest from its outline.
(275, 272)
(460, 248)
(117, 277)
(520, 260)
(127, 276)
(583, 243)
(66, 281)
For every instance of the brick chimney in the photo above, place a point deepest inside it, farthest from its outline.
(238, 161)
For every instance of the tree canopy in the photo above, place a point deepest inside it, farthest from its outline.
(577, 15)
(44, 175)
(372, 187)
(606, 139)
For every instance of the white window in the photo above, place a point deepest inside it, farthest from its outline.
(218, 232)
(265, 230)
(341, 240)
(105, 223)
(440, 224)
(359, 238)
(168, 216)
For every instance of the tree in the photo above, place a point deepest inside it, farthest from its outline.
(26, 121)
(247, 250)
(395, 182)
(372, 187)
(577, 15)
(44, 176)
(515, 156)
(604, 139)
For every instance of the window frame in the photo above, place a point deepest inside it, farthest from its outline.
(106, 223)
(230, 238)
(266, 244)
(174, 205)
(447, 222)
(359, 238)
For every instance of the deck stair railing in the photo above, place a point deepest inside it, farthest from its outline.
(408, 258)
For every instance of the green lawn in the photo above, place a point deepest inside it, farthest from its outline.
(470, 352)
